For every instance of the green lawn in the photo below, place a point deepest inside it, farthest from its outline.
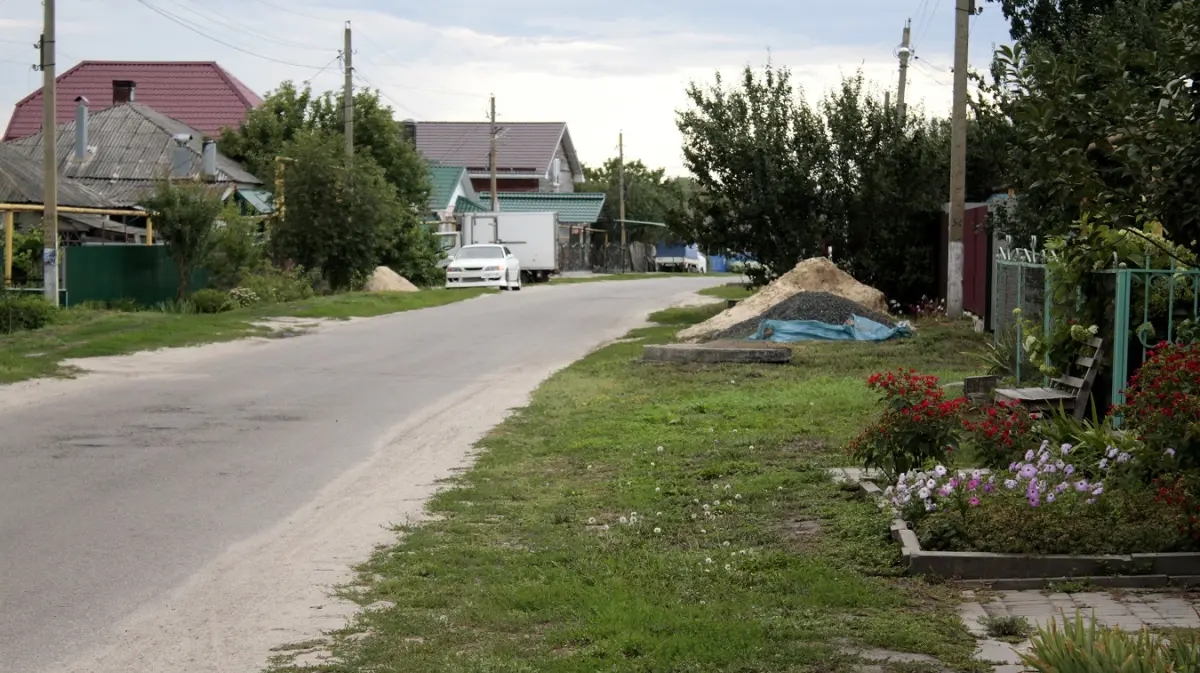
(78, 333)
(730, 291)
(640, 517)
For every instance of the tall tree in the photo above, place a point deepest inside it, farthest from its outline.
(340, 220)
(288, 112)
(755, 152)
(185, 216)
(650, 196)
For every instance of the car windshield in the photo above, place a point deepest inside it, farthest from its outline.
(485, 252)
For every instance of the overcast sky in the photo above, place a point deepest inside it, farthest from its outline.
(602, 67)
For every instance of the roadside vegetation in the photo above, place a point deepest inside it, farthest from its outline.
(638, 517)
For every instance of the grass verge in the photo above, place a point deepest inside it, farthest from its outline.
(640, 517)
(80, 333)
(598, 278)
(731, 291)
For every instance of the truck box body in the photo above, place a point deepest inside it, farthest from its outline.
(532, 237)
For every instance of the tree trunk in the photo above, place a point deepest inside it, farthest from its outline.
(183, 281)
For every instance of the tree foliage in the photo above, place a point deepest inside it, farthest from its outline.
(1108, 128)
(782, 180)
(289, 112)
(1059, 24)
(650, 196)
(185, 215)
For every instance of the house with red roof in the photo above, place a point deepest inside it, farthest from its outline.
(200, 94)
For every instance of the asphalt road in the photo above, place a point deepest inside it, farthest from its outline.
(116, 488)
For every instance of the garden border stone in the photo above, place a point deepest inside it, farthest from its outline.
(1030, 571)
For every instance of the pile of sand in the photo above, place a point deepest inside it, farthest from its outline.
(812, 275)
(384, 279)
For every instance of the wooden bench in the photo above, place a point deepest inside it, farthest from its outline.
(1069, 392)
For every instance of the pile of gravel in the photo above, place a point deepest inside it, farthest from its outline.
(820, 306)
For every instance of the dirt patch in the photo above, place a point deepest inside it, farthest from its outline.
(801, 529)
(812, 275)
(384, 279)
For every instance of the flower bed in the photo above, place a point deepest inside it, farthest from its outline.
(1098, 500)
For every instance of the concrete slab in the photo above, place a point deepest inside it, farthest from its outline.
(715, 352)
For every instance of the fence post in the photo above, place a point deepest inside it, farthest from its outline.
(1047, 323)
(1121, 339)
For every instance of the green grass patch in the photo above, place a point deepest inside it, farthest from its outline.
(736, 291)
(577, 544)
(81, 333)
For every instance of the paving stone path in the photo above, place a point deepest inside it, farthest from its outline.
(1127, 610)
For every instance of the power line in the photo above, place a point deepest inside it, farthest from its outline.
(325, 67)
(184, 23)
(935, 67)
(383, 52)
(286, 9)
(928, 21)
(257, 35)
(383, 93)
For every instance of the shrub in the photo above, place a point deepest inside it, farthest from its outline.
(1162, 402)
(210, 301)
(242, 297)
(1078, 647)
(177, 306)
(917, 425)
(272, 284)
(997, 432)
(20, 311)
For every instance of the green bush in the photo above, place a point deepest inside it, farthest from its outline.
(176, 306)
(272, 284)
(1078, 647)
(211, 301)
(242, 297)
(23, 312)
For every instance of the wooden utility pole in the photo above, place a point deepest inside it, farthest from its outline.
(49, 159)
(621, 192)
(905, 52)
(958, 160)
(493, 132)
(348, 95)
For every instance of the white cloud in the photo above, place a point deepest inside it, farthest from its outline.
(621, 75)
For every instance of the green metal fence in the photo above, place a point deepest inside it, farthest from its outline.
(1170, 303)
(1147, 307)
(142, 273)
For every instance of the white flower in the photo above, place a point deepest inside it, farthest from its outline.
(693, 517)
(1030, 342)
(591, 521)
(977, 475)
(657, 489)
(633, 519)
(728, 567)
(716, 503)
(657, 530)
(737, 496)
(604, 527)
(931, 484)
(659, 449)
(589, 467)
(1094, 330)
(623, 520)
(751, 447)
(923, 493)
(703, 532)
(652, 463)
(705, 507)
(708, 560)
(940, 471)
(1112, 452)
(725, 543)
(727, 487)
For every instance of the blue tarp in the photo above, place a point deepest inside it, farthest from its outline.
(857, 328)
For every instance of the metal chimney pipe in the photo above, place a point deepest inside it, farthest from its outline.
(81, 128)
(181, 158)
(208, 156)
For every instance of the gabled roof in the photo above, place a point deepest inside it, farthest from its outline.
(133, 147)
(572, 207)
(200, 94)
(523, 148)
(443, 182)
(21, 182)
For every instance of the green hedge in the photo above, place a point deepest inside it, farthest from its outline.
(23, 312)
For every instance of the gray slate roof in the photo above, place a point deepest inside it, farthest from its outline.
(132, 150)
(523, 147)
(21, 182)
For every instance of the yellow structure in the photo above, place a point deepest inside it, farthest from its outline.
(10, 208)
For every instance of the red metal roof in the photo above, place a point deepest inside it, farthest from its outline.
(200, 94)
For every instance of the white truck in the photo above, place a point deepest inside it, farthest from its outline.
(532, 237)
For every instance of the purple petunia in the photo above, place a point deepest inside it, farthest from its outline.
(1028, 471)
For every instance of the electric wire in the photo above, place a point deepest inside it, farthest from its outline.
(183, 22)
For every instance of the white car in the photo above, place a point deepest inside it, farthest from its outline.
(487, 265)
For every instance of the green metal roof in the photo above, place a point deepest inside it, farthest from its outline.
(443, 180)
(260, 200)
(572, 207)
(466, 204)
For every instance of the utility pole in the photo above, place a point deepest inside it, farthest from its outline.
(348, 95)
(621, 189)
(492, 157)
(905, 52)
(958, 161)
(49, 159)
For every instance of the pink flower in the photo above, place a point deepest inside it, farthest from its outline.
(974, 502)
